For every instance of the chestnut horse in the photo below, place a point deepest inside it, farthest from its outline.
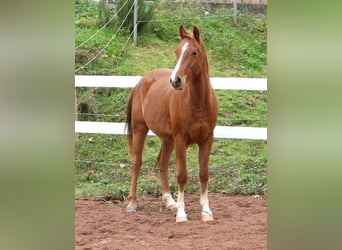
(180, 107)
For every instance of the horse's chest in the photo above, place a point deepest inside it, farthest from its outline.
(199, 130)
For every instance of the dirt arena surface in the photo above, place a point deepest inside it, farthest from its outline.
(240, 222)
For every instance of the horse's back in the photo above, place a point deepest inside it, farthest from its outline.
(154, 82)
(158, 74)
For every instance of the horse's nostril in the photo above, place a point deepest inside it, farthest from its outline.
(178, 80)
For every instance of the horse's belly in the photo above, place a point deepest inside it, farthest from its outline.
(156, 117)
(163, 131)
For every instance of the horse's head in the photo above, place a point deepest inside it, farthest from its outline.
(191, 58)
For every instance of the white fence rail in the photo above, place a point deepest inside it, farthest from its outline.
(228, 132)
(130, 81)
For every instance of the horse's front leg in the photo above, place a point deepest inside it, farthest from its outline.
(180, 149)
(203, 157)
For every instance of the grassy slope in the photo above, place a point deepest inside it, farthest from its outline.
(236, 166)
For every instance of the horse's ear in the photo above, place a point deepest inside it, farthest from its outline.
(196, 33)
(182, 32)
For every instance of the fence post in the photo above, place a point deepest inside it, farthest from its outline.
(235, 12)
(77, 139)
(135, 28)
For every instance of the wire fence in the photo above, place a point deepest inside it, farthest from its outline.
(111, 39)
(244, 174)
(103, 162)
(258, 122)
(104, 26)
(204, 15)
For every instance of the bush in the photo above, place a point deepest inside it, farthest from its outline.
(84, 13)
(165, 23)
(145, 13)
(104, 13)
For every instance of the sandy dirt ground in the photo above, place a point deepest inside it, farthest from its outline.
(240, 222)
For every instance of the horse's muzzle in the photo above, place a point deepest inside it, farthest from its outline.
(177, 83)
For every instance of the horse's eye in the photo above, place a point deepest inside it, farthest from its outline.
(194, 53)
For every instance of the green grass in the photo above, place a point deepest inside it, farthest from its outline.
(236, 166)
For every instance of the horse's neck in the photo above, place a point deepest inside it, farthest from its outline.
(199, 90)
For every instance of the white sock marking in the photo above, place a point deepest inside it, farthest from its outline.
(167, 198)
(205, 204)
(174, 72)
(181, 207)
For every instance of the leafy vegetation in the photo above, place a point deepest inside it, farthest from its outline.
(236, 166)
(145, 12)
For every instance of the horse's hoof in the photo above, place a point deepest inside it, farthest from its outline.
(207, 217)
(181, 219)
(172, 206)
(131, 209)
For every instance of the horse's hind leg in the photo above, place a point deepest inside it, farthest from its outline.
(203, 155)
(163, 162)
(139, 136)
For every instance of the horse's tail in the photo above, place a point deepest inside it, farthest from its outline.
(128, 125)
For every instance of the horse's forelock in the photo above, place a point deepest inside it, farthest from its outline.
(189, 37)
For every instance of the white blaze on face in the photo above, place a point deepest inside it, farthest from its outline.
(174, 72)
